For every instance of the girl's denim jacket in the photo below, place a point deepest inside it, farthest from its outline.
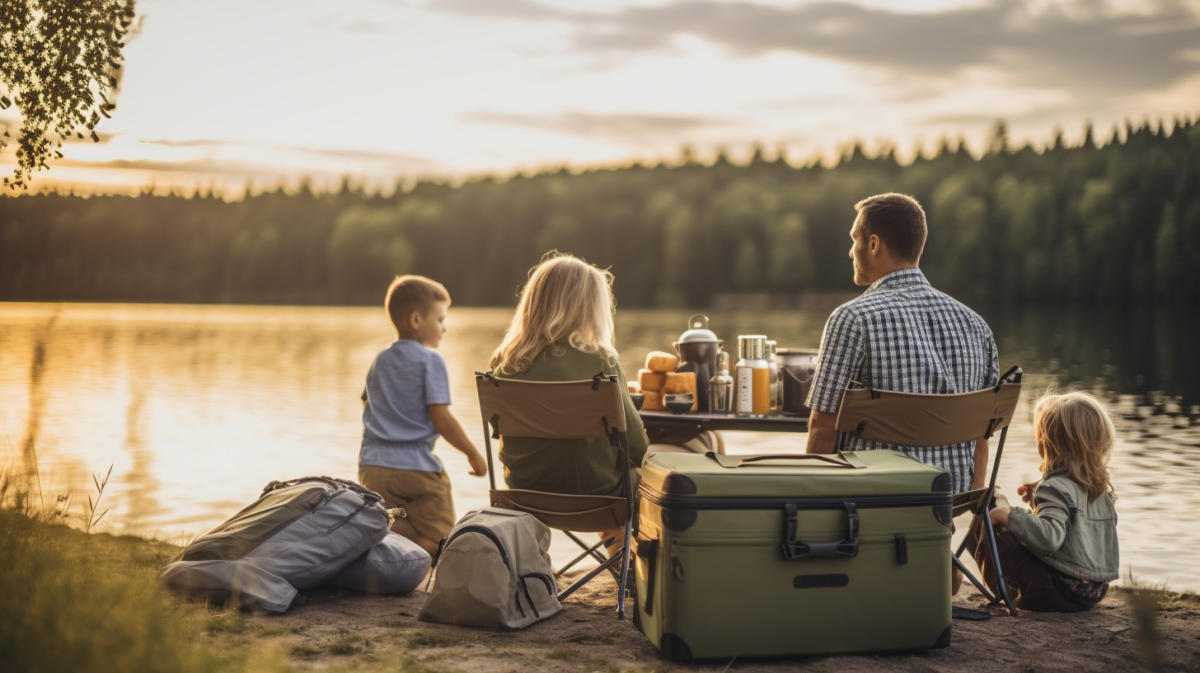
(1069, 533)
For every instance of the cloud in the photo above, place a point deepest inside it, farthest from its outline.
(1077, 45)
(624, 127)
(365, 27)
(408, 160)
(192, 142)
(195, 167)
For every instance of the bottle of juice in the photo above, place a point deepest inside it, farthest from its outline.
(753, 378)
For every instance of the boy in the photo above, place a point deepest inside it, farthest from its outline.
(406, 405)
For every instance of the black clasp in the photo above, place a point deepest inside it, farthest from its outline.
(794, 549)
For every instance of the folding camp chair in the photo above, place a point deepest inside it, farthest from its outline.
(910, 419)
(591, 408)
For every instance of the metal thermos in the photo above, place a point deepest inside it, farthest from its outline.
(720, 389)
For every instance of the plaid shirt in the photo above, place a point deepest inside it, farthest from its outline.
(903, 335)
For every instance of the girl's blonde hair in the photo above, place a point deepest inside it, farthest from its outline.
(1075, 434)
(565, 302)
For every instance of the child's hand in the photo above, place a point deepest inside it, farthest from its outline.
(478, 463)
(1026, 492)
(999, 516)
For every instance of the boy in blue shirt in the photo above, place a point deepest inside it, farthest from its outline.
(406, 405)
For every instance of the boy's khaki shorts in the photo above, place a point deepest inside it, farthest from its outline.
(425, 496)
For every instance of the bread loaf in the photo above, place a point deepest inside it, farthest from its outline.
(659, 361)
(680, 382)
(633, 387)
(652, 401)
(649, 380)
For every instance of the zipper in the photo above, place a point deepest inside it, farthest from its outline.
(544, 578)
(349, 516)
(669, 501)
(486, 532)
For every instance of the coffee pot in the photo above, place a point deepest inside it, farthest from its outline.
(698, 349)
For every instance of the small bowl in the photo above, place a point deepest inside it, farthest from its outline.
(679, 403)
(637, 398)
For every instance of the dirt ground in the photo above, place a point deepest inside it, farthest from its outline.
(337, 631)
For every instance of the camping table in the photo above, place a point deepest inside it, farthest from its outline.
(663, 423)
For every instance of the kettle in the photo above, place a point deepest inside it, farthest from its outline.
(698, 349)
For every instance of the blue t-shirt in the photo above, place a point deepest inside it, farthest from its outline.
(403, 381)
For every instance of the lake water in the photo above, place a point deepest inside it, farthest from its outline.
(196, 408)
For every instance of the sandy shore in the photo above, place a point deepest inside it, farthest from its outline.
(335, 631)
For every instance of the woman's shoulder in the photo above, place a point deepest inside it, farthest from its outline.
(564, 362)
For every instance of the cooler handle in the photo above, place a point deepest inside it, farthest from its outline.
(840, 459)
(794, 549)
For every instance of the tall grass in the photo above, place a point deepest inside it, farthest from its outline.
(82, 603)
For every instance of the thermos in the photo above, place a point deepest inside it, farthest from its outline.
(720, 389)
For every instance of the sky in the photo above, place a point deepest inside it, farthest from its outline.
(226, 93)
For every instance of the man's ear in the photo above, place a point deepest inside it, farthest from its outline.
(874, 244)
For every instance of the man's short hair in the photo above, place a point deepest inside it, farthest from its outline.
(898, 220)
(411, 293)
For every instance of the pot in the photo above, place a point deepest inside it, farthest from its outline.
(698, 349)
(797, 366)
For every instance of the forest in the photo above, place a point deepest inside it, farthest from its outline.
(1113, 220)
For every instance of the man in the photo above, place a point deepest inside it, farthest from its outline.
(901, 334)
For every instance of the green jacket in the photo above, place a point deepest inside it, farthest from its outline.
(1066, 531)
(582, 466)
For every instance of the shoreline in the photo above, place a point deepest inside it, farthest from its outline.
(336, 630)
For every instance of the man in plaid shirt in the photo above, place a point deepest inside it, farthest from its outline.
(901, 334)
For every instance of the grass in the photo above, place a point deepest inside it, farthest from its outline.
(78, 602)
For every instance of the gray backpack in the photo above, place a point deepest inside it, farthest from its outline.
(493, 571)
(297, 535)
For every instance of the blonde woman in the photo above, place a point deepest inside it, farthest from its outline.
(563, 331)
(1061, 555)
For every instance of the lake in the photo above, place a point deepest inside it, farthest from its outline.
(196, 408)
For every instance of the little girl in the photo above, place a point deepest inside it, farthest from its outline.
(1062, 555)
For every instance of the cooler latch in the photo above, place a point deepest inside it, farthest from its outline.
(794, 549)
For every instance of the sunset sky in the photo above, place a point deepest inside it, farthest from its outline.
(224, 91)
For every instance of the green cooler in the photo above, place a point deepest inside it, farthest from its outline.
(792, 555)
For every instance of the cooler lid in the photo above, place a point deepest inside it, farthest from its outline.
(800, 475)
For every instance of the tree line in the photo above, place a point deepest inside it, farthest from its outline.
(1110, 221)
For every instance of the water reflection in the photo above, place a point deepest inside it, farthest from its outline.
(199, 406)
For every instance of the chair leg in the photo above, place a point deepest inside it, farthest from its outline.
(624, 571)
(974, 580)
(587, 578)
(995, 553)
(593, 551)
(588, 551)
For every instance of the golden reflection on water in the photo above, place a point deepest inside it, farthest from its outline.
(198, 407)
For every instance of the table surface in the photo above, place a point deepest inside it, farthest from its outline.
(667, 421)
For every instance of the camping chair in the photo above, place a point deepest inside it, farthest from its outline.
(591, 408)
(911, 419)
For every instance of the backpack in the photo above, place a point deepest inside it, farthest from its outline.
(494, 571)
(297, 535)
